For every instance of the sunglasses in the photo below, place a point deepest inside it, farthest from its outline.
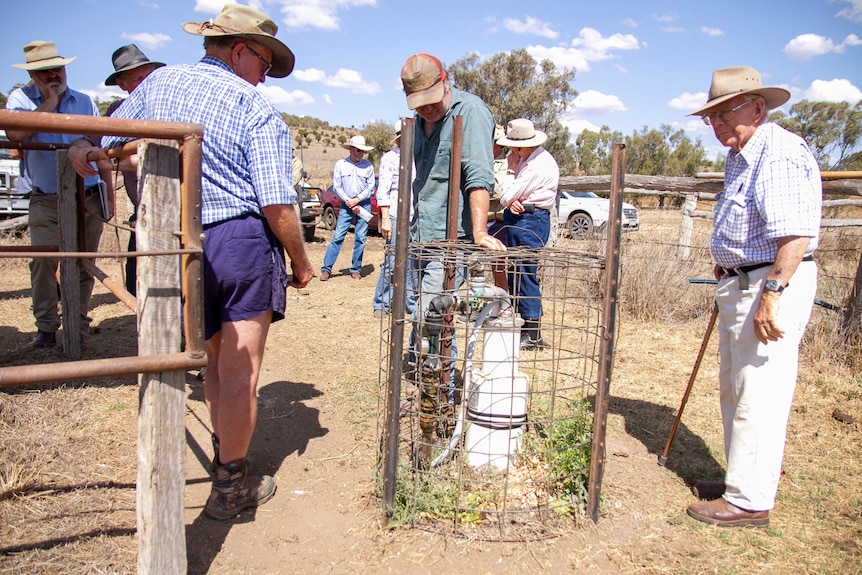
(266, 63)
(724, 115)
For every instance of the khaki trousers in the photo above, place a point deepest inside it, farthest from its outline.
(45, 231)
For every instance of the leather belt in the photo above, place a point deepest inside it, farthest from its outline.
(87, 191)
(750, 268)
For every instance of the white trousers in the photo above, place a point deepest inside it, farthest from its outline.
(757, 382)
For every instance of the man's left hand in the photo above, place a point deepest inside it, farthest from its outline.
(766, 326)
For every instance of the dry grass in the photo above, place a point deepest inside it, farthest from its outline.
(67, 452)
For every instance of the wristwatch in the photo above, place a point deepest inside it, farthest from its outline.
(773, 285)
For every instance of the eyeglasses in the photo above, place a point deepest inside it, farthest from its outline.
(724, 115)
(266, 62)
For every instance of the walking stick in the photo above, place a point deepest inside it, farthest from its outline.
(662, 459)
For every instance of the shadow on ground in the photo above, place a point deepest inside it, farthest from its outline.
(650, 423)
(284, 425)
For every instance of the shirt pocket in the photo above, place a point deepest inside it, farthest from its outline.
(440, 168)
(736, 222)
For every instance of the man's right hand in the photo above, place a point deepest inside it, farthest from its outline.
(78, 158)
(485, 240)
(302, 273)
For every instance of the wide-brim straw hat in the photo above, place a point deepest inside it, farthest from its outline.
(42, 55)
(520, 133)
(245, 22)
(397, 127)
(728, 83)
(127, 58)
(357, 142)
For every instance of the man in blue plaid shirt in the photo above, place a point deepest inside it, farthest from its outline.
(248, 213)
(767, 223)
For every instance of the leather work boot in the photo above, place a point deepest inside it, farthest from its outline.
(234, 490)
(724, 514)
(44, 339)
(531, 337)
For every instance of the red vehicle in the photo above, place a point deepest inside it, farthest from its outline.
(330, 203)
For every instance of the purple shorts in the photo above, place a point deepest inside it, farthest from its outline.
(244, 273)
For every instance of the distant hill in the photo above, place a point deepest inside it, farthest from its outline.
(318, 145)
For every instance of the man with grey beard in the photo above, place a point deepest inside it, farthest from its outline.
(49, 93)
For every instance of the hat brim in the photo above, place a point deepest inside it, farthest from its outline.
(538, 139)
(432, 95)
(283, 59)
(112, 79)
(45, 64)
(774, 97)
(363, 148)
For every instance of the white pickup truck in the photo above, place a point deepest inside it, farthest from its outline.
(11, 200)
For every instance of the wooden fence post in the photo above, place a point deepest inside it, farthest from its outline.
(683, 242)
(161, 413)
(853, 310)
(70, 288)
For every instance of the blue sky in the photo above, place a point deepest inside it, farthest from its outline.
(637, 63)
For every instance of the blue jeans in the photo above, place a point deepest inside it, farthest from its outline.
(383, 293)
(527, 230)
(345, 219)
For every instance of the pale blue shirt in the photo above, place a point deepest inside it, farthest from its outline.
(42, 165)
(246, 143)
(351, 180)
(772, 189)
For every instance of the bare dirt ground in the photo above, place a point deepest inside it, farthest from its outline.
(68, 459)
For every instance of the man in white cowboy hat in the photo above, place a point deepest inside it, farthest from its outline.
(529, 194)
(387, 201)
(131, 67)
(767, 224)
(48, 92)
(248, 213)
(353, 182)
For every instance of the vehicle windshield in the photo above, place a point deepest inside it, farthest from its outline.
(5, 153)
(581, 195)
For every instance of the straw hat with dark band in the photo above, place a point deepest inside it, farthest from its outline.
(41, 55)
(248, 23)
(728, 83)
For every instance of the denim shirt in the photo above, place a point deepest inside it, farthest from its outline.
(42, 165)
(432, 155)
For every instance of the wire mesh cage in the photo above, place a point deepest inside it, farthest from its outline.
(495, 419)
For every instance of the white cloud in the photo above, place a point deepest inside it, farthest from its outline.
(317, 13)
(530, 25)
(105, 93)
(853, 12)
(147, 39)
(281, 97)
(592, 102)
(578, 125)
(665, 18)
(687, 101)
(328, 99)
(321, 14)
(712, 31)
(630, 22)
(807, 46)
(674, 29)
(350, 80)
(589, 46)
(836, 90)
